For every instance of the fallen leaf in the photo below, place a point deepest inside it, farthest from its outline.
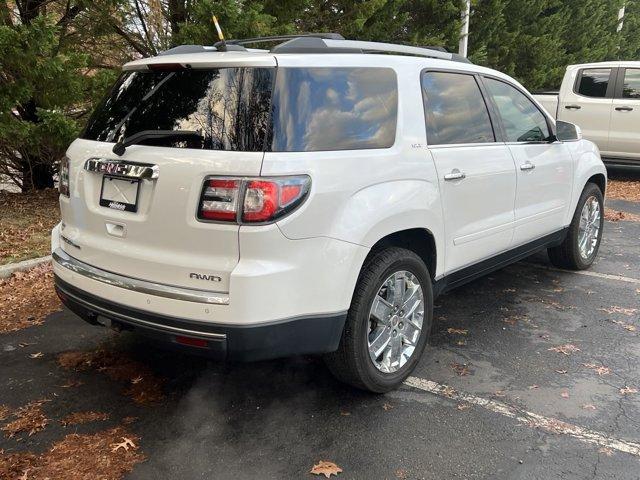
(606, 451)
(463, 406)
(588, 406)
(326, 468)
(386, 407)
(561, 372)
(460, 369)
(71, 383)
(125, 444)
(458, 331)
(401, 473)
(564, 394)
(628, 390)
(448, 391)
(36, 355)
(566, 349)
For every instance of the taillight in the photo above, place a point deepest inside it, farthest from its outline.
(264, 199)
(220, 199)
(63, 177)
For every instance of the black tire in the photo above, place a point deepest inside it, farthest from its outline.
(567, 254)
(351, 363)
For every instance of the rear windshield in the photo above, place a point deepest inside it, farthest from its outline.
(253, 109)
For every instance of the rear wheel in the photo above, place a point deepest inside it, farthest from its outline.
(580, 248)
(388, 324)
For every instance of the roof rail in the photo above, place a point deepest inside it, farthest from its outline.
(277, 38)
(323, 43)
(329, 45)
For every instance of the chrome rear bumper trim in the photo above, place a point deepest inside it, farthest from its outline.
(136, 285)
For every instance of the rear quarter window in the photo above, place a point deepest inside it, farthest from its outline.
(334, 109)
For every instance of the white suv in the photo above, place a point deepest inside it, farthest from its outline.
(313, 198)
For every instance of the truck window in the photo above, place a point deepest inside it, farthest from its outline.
(593, 82)
(454, 109)
(631, 87)
(521, 119)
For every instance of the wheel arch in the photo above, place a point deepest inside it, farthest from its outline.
(588, 169)
(421, 241)
(600, 180)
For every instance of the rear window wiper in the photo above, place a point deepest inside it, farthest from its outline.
(120, 147)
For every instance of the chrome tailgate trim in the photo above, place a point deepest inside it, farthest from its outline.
(141, 286)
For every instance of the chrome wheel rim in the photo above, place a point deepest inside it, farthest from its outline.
(395, 321)
(589, 227)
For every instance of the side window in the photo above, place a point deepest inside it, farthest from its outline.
(631, 87)
(455, 111)
(593, 82)
(521, 119)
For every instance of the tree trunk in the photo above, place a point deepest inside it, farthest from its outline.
(36, 176)
(177, 15)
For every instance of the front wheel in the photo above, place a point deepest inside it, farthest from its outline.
(580, 248)
(388, 323)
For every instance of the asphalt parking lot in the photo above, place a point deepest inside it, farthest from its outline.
(531, 372)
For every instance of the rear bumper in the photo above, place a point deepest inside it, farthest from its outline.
(294, 336)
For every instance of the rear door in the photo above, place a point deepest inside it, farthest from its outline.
(544, 168)
(476, 174)
(624, 136)
(150, 229)
(587, 103)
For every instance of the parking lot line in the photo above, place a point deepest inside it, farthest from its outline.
(530, 419)
(589, 273)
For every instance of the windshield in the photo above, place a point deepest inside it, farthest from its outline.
(253, 109)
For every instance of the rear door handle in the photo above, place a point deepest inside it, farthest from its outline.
(572, 107)
(454, 175)
(527, 166)
(624, 109)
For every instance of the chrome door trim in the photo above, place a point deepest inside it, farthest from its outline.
(136, 285)
(122, 169)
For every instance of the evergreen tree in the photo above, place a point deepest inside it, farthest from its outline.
(629, 36)
(46, 87)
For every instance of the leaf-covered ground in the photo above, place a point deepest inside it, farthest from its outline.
(26, 221)
(27, 298)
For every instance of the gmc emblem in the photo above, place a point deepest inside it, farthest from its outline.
(202, 276)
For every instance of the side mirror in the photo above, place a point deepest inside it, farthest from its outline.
(568, 132)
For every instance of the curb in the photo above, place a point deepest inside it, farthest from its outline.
(7, 270)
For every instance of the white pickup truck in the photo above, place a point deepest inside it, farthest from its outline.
(603, 99)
